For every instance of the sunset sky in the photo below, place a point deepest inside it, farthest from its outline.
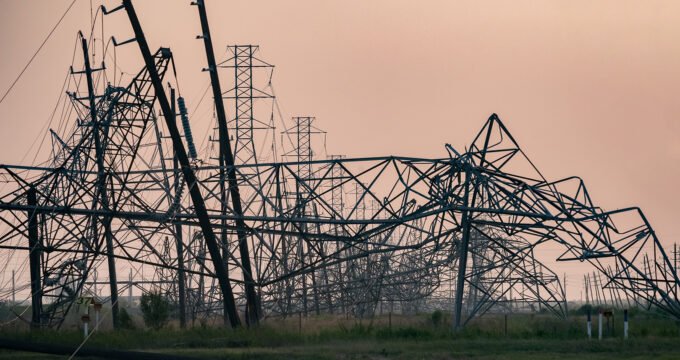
(588, 88)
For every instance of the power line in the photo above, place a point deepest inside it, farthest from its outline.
(37, 51)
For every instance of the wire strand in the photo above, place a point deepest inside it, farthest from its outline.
(36, 52)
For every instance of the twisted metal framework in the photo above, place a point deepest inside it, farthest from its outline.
(73, 237)
(356, 232)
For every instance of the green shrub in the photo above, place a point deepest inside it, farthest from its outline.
(125, 320)
(409, 332)
(437, 317)
(155, 309)
(584, 309)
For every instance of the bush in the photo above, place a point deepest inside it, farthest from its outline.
(125, 320)
(584, 309)
(409, 332)
(155, 309)
(437, 317)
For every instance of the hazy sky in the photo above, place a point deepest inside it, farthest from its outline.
(588, 88)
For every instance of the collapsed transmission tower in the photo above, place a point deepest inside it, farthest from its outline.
(239, 236)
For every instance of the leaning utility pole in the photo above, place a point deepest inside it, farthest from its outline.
(101, 185)
(227, 161)
(187, 171)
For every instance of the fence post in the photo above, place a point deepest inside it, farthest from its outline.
(590, 326)
(130, 289)
(625, 324)
(505, 321)
(14, 299)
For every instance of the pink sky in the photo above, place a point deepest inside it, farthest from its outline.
(587, 88)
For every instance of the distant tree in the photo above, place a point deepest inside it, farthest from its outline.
(155, 309)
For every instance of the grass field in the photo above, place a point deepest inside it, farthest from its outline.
(528, 336)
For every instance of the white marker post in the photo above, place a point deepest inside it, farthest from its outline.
(85, 317)
(86, 320)
(625, 324)
(599, 325)
(97, 309)
(590, 326)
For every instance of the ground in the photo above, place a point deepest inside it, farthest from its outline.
(461, 349)
(538, 336)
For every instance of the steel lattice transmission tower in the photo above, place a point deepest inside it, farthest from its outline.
(249, 71)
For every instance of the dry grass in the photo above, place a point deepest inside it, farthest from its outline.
(529, 336)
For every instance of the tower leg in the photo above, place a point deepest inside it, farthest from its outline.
(180, 278)
(34, 260)
(462, 263)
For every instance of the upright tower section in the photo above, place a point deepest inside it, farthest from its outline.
(250, 78)
(300, 137)
(303, 126)
(301, 153)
